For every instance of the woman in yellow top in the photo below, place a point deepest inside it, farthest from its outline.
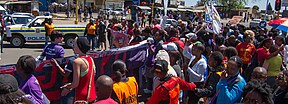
(49, 28)
(273, 66)
(91, 33)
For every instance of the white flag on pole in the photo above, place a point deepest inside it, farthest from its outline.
(216, 20)
(212, 19)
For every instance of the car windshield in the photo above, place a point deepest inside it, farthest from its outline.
(22, 20)
(118, 9)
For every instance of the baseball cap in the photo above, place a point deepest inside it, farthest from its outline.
(9, 84)
(157, 27)
(170, 47)
(191, 36)
(232, 36)
(238, 60)
(161, 65)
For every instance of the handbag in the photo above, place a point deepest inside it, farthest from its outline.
(89, 88)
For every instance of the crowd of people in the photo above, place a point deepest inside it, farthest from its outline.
(185, 64)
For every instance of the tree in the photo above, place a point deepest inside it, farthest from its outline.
(255, 7)
(201, 2)
(233, 4)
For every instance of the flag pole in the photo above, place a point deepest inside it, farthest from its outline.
(266, 10)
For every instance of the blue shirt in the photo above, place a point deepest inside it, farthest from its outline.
(53, 51)
(230, 89)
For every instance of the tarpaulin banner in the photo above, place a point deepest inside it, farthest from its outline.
(8, 69)
(51, 80)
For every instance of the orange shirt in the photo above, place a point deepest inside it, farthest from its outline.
(50, 28)
(127, 91)
(245, 52)
(91, 29)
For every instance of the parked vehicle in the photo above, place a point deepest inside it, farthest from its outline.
(3, 11)
(16, 19)
(255, 23)
(18, 35)
(118, 11)
(169, 22)
(107, 11)
(25, 14)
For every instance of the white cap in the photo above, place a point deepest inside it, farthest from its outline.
(170, 47)
(191, 36)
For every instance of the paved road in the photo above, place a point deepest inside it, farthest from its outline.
(11, 55)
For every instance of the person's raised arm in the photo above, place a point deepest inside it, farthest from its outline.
(185, 85)
(61, 70)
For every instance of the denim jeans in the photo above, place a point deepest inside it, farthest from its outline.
(68, 99)
(94, 40)
(45, 99)
(46, 40)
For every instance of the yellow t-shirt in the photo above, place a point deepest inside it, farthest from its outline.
(50, 28)
(274, 65)
(91, 29)
(127, 91)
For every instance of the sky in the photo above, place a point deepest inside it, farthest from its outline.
(251, 3)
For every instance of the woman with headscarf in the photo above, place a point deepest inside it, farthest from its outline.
(83, 73)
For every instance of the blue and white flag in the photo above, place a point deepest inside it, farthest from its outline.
(212, 19)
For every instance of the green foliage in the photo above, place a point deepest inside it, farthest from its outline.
(255, 7)
(233, 4)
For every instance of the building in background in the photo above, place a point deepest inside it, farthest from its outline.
(114, 4)
(181, 2)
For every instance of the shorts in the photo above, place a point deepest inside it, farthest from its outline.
(102, 38)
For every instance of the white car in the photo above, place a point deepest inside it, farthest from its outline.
(118, 12)
(106, 11)
(255, 23)
(169, 22)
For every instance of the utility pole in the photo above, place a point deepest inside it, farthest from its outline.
(152, 12)
(76, 10)
(266, 10)
(68, 8)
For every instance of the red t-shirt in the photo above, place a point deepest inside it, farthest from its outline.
(262, 54)
(246, 51)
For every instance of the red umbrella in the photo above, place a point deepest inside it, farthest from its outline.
(275, 23)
